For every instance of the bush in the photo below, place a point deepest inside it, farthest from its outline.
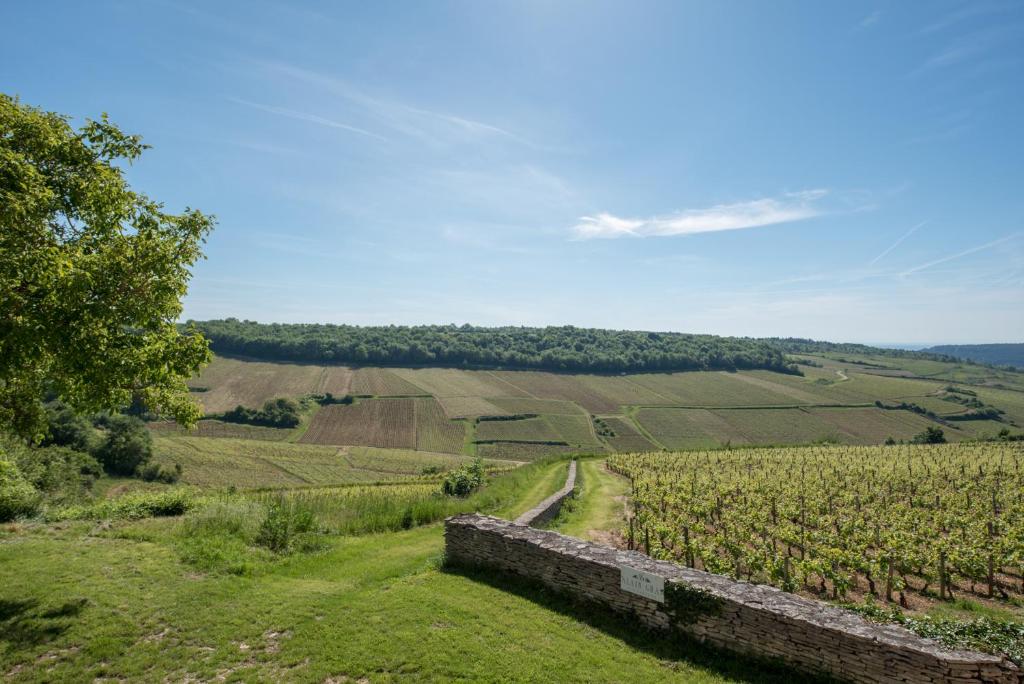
(218, 536)
(154, 472)
(18, 498)
(279, 413)
(126, 447)
(463, 480)
(60, 474)
(69, 429)
(132, 506)
(930, 435)
(287, 525)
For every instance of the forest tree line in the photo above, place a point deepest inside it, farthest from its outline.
(564, 348)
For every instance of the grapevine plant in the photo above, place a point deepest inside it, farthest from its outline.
(842, 522)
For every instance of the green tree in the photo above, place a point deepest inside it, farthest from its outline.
(128, 445)
(91, 275)
(69, 429)
(930, 435)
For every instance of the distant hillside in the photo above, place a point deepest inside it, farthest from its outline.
(1010, 354)
(799, 345)
(564, 348)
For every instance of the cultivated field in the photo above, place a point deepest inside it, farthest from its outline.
(703, 428)
(243, 463)
(383, 383)
(413, 423)
(520, 451)
(386, 423)
(901, 523)
(228, 382)
(434, 431)
(431, 409)
(218, 428)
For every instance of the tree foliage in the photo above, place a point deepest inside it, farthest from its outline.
(127, 445)
(565, 348)
(280, 413)
(91, 275)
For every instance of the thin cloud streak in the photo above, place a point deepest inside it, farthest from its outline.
(403, 118)
(897, 243)
(966, 252)
(310, 118)
(754, 214)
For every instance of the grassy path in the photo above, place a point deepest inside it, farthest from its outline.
(80, 602)
(597, 510)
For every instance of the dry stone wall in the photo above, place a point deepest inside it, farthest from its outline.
(548, 508)
(751, 619)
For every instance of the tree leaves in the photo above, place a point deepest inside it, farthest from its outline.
(91, 275)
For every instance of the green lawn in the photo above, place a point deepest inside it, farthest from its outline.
(80, 602)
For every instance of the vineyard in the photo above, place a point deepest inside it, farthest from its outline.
(902, 523)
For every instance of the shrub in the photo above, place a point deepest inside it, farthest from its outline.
(930, 435)
(60, 474)
(154, 472)
(126, 447)
(18, 498)
(287, 525)
(279, 413)
(132, 506)
(218, 536)
(463, 480)
(69, 429)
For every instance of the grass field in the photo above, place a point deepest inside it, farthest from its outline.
(120, 602)
(597, 512)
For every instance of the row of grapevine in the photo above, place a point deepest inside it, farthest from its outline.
(839, 520)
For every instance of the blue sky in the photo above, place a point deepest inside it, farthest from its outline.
(846, 171)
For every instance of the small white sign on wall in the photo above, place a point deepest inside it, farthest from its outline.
(642, 583)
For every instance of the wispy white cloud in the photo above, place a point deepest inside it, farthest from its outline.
(303, 116)
(958, 255)
(966, 47)
(968, 11)
(897, 243)
(756, 213)
(434, 127)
